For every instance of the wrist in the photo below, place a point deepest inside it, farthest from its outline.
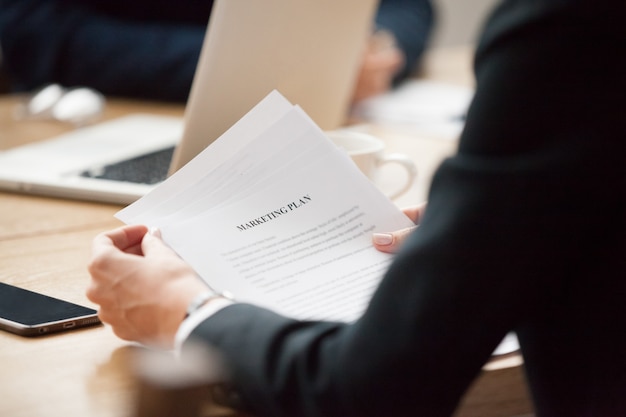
(205, 298)
(201, 310)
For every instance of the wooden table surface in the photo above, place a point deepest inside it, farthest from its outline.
(45, 246)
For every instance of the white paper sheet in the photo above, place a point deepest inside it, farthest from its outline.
(420, 106)
(282, 219)
(268, 111)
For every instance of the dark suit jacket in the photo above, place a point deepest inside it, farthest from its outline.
(525, 231)
(141, 48)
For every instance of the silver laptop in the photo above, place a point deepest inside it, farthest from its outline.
(310, 51)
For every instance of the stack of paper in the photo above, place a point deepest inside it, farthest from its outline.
(276, 214)
(419, 106)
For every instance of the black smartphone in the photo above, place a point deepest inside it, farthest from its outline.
(28, 313)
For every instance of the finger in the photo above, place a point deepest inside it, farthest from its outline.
(100, 290)
(382, 40)
(415, 213)
(391, 242)
(110, 315)
(126, 238)
(124, 332)
(387, 62)
(109, 261)
(153, 245)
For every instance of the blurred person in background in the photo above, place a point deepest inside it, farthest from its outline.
(149, 49)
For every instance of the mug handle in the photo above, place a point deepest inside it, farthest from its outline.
(407, 163)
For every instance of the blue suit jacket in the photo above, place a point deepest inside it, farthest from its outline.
(141, 48)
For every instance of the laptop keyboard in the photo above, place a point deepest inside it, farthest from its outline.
(145, 169)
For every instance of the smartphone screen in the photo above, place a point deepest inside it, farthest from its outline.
(28, 313)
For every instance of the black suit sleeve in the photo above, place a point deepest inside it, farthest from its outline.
(525, 231)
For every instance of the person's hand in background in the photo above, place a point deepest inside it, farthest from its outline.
(381, 63)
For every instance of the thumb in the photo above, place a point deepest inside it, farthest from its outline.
(153, 245)
(391, 242)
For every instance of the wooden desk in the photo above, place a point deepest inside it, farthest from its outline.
(45, 244)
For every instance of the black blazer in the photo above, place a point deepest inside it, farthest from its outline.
(525, 231)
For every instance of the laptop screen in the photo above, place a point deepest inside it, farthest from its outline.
(310, 51)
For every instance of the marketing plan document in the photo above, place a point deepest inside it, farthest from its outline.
(282, 220)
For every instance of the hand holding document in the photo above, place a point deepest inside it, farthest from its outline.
(275, 213)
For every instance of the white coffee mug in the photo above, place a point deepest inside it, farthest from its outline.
(368, 153)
